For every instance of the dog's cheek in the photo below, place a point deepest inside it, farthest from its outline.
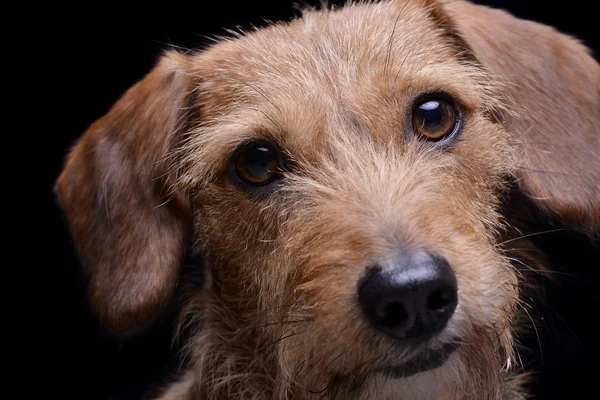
(485, 152)
(238, 234)
(497, 161)
(488, 290)
(487, 282)
(455, 224)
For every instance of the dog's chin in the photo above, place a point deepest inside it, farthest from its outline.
(426, 360)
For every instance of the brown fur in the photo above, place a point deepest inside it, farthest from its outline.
(278, 315)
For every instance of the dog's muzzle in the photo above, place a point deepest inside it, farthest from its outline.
(411, 301)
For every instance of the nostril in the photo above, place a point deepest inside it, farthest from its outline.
(441, 299)
(393, 314)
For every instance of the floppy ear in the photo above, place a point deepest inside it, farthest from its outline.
(129, 229)
(553, 85)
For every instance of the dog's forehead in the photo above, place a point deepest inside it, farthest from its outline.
(330, 48)
(359, 65)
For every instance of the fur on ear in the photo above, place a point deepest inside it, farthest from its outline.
(553, 86)
(129, 229)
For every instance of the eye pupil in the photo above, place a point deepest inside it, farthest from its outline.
(257, 164)
(431, 114)
(434, 119)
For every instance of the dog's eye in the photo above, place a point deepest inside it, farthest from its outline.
(435, 119)
(257, 163)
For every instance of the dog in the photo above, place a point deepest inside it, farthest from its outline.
(355, 184)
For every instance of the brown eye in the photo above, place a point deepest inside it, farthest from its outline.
(257, 163)
(435, 119)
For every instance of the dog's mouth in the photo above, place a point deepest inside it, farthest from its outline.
(424, 361)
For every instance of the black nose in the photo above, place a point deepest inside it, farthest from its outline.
(412, 299)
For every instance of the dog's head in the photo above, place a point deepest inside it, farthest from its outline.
(342, 176)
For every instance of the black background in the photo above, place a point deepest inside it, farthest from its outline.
(64, 66)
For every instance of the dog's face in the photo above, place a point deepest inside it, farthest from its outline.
(389, 158)
(343, 176)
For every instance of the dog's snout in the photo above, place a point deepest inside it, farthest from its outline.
(411, 299)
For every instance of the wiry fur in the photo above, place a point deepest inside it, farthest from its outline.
(278, 315)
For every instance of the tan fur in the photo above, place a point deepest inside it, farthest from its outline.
(278, 315)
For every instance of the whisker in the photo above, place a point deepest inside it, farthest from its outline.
(532, 249)
(535, 329)
(304, 315)
(388, 54)
(547, 172)
(297, 321)
(546, 272)
(532, 234)
(273, 343)
(260, 92)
